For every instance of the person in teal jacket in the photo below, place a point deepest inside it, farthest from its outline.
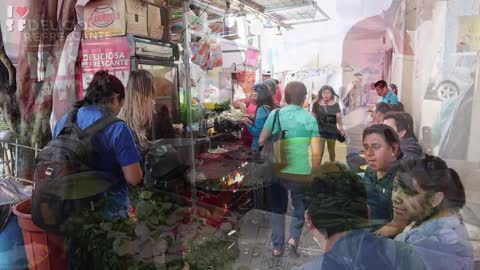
(263, 98)
(386, 94)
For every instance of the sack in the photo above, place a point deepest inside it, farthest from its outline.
(162, 164)
(65, 179)
(273, 151)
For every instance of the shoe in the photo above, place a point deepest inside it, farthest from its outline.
(291, 250)
(277, 253)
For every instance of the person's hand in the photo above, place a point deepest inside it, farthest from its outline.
(342, 131)
(389, 231)
(246, 121)
(243, 107)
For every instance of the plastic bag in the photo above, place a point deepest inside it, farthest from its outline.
(200, 53)
(215, 59)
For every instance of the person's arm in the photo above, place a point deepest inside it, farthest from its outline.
(133, 173)
(339, 121)
(315, 146)
(266, 131)
(316, 156)
(260, 119)
(126, 154)
(264, 135)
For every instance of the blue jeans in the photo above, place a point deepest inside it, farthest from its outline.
(279, 203)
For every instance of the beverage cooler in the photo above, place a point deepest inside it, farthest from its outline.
(159, 58)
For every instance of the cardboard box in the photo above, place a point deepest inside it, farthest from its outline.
(155, 28)
(157, 2)
(108, 18)
(104, 18)
(137, 17)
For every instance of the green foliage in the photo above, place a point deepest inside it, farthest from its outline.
(221, 107)
(148, 241)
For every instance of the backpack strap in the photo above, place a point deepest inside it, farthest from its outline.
(99, 125)
(70, 124)
(275, 119)
(277, 115)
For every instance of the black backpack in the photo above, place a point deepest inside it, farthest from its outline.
(65, 179)
(163, 166)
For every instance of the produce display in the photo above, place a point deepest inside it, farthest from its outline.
(235, 115)
(244, 177)
(163, 233)
(221, 107)
(218, 150)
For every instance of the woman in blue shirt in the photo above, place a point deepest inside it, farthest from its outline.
(263, 98)
(430, 194)
(115, 145)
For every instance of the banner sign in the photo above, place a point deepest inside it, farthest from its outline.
(468, 34)
(111, 54)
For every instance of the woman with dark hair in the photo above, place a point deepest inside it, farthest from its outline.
(382, 152)
(274, 88)
(430, 194)
(117, 152)
(328, 114)
(262, 97)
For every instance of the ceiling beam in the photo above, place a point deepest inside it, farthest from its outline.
(286, 7)
(209, 7)
(309, 21)
(314, 4)
(265, 15)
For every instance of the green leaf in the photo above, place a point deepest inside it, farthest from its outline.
(120, 246)
(143, 210)
(154, 220)
(145, 195)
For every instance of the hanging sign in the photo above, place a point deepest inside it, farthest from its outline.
(111, 54)
(468, 34)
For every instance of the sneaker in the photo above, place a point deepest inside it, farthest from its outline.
(291, 250)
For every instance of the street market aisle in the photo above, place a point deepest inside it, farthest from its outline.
(256, 247)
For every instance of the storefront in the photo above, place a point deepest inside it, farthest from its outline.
(206, 198)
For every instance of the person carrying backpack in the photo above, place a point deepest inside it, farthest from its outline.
(115, 151)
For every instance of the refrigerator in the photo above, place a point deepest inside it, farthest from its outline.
(159, 58)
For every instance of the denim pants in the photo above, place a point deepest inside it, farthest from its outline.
(279, 202)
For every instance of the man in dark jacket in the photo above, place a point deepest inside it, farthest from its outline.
(341, 229)
(402, 123)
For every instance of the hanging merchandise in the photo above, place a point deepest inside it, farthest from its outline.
(207, 53)
(246, 80)
(251, 58)
(200, 53)
(215, 59)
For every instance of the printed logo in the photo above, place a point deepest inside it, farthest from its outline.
(22, 11)
(103, 16)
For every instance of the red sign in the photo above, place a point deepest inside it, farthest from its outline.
(103, 16)
(110, 54)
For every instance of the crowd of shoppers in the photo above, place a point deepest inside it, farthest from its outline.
(405, 206)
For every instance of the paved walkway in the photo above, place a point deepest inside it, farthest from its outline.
(256, 248)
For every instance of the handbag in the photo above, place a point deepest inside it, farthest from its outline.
(273, 151)
(340, 137)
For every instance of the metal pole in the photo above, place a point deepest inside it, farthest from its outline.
(188, 98)
(16, 158)
(259, 41)
(473, 153)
